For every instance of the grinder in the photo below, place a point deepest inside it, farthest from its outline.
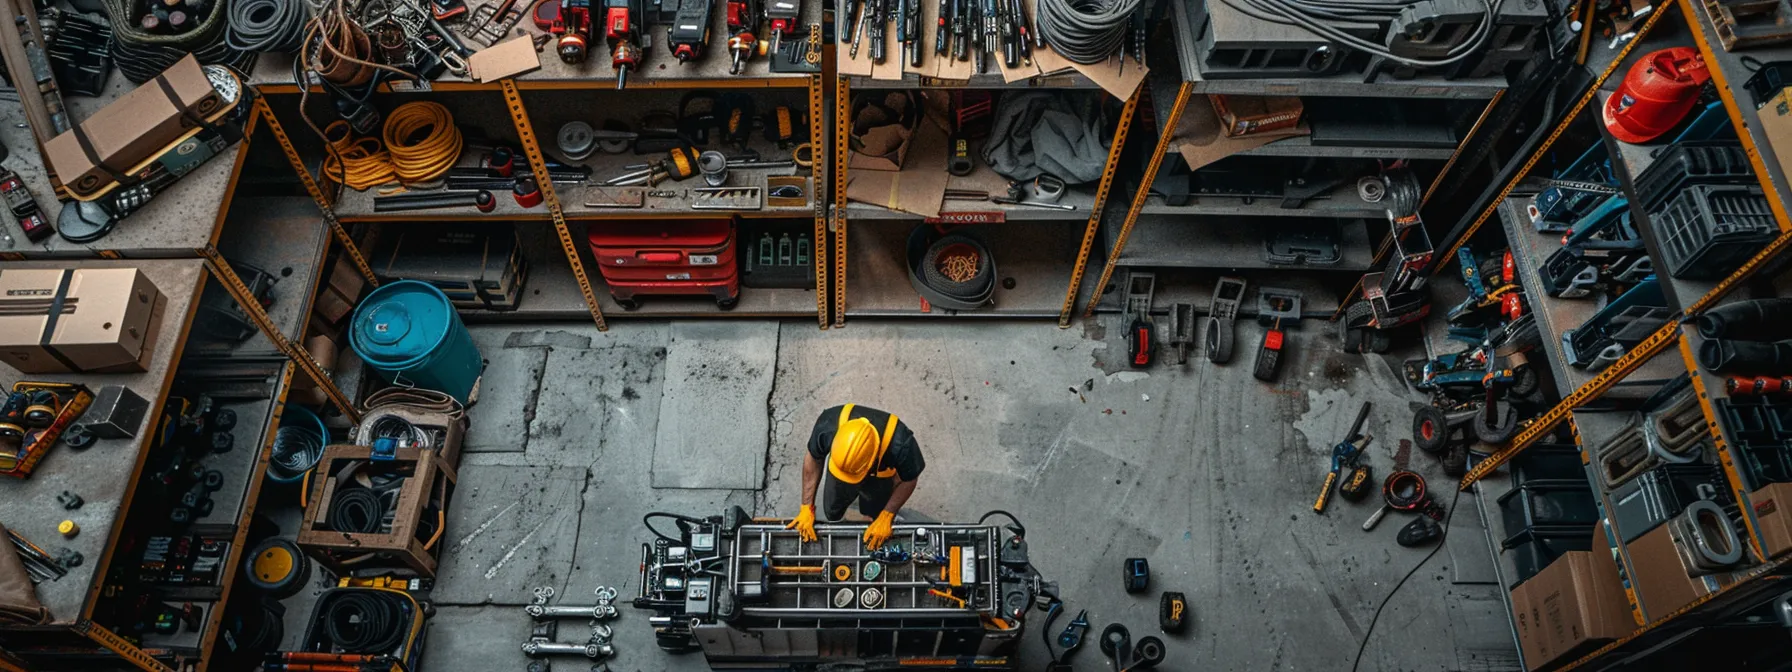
(622, 28)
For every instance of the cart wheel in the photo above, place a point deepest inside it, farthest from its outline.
(628, 304)
(428, 608)
(728, 303)
(1352, 338)
(1377, 341)
(1219, 341)
(1524, 381)
(1430, 429)
(1455, 461)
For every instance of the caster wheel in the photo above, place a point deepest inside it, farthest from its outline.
(1524, 382)
(1455, 461)
(728, 304)
(628, 304)
(1430, 429)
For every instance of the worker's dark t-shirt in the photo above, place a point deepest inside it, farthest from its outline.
(904, 454)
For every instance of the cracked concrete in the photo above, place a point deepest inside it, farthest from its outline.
(1203, 470)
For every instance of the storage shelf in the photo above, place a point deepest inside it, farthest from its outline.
(1035, 256)
(1302, 146)
(1064, 79)
(1732, 69)
(105, 474)
(1213, 243)
(984, 179)
(1593, 430)
(1629, 161)
(285, 238)
(183, 218)
(1554, 315)
(1342, 84)
(659, 68)
(551, 293)
(1341, 202)
(1487, 494)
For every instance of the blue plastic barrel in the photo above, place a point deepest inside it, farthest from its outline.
(409, 333)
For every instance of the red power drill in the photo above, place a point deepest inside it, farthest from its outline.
(743, 17)
(622, 28)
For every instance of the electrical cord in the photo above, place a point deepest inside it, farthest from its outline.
(267, 25)
(1085, 31)
(296, 450)
(1442, 536)
(356, 163)
(365, 621)
(142, 62)
(423, 141)
(683, 522)
(1320, 17)
(356, 509)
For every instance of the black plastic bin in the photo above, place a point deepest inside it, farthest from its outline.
(1547, 504)
(1687, 163)
(1544, 545)
(1708, 230)
(1548, 461)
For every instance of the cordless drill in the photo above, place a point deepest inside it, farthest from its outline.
(689, 33)
(782, 16)
(622, 28)
(743, 17)
(573, 25)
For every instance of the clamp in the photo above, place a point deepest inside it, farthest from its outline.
(604, 610)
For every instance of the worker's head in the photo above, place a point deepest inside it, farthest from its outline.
(854, 452)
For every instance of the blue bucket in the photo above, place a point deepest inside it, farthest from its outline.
(409, 333)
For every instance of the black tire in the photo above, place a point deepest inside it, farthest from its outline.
(1352, 338)
(1525, 381)
(1492, 268)
(1430, 429)
(277, 567)
(1455, 461)
(1219, 341)
(1377, 341)
(728, 303)
(1497, 434)
(628, 304)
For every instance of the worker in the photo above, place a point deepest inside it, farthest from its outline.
(872, 457)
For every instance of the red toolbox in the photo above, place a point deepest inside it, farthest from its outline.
(671, 257)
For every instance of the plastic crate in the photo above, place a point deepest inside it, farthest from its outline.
(1545, 461)
(1709, 230)
(1543, 546)
(1539, 504)
(1688, 163)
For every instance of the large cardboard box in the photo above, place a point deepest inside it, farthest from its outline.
(1526, 617)
(133, 128)
(1662, 582)
(1776, 120)
(84, 319)
(1575, 605)
(1773, 509)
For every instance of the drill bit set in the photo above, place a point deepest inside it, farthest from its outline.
(973, 30)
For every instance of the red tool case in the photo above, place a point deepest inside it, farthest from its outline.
(667, 258)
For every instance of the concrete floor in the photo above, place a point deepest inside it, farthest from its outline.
(1203, 470)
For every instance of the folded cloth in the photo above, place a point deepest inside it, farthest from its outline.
(1038, 133)
(18, 596)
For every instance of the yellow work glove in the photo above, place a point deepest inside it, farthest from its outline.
(804, 523)
(879, 530)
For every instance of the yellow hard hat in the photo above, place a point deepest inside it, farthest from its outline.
(854, 451)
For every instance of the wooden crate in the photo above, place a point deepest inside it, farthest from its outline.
(428, 479)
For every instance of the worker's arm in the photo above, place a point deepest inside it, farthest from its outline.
(812, 478)
(899, 496)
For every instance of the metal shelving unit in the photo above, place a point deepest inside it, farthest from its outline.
(1175, 242)
(1554, 315)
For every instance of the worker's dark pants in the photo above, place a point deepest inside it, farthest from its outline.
(873, 494)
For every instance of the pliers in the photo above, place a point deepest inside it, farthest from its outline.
(1343, 454)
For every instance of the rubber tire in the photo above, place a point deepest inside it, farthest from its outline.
(629, 304)
(1378, 341)
(1439, 436)
(1352, 337)
(281, 587)
(728, 303)
(1525, 381)
(1455, 461)
(1219, 340)
(1496, 434)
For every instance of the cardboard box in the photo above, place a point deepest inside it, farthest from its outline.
(1577, 604)
(133, 128)
(1250, 115)
(85, 319)
(1525, 617)
(1773, 510)
(880, 141)
(1662, 583)
(1776, 120)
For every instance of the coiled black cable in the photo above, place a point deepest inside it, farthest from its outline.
(365, 621)
(142, 62)
(357, 509)
(296, 450)
(1085, 31)
(267, 25)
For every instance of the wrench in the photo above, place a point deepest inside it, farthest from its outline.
(605, 608)
(592, 650)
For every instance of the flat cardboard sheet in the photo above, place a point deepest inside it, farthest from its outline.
(919, 187)
(509, 58)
